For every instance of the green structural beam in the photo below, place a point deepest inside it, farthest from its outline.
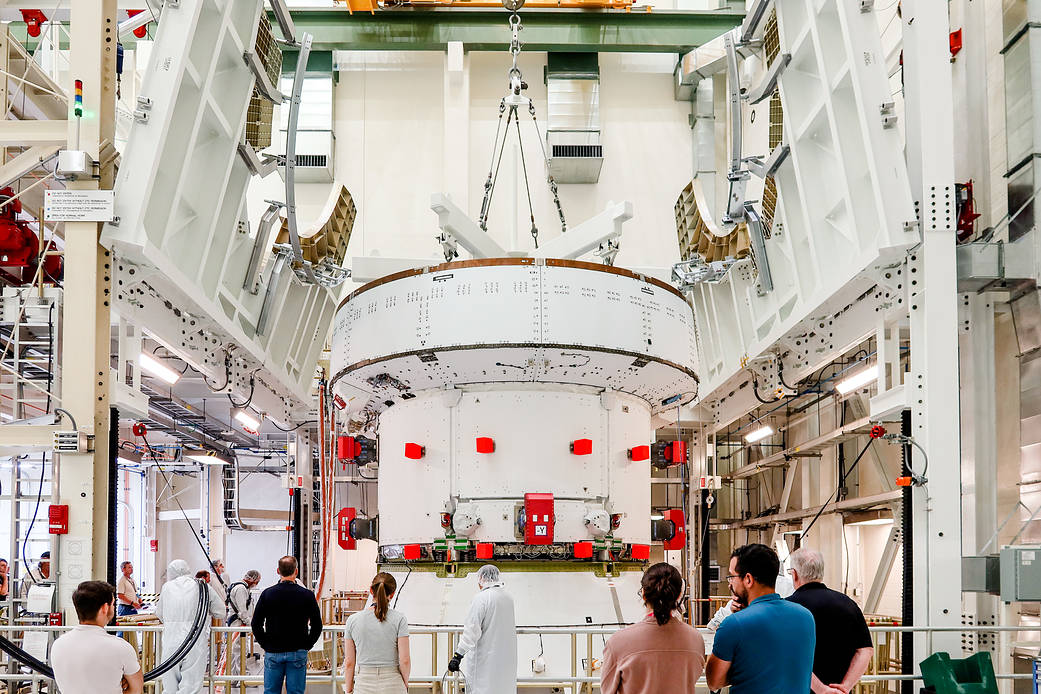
(409, 29)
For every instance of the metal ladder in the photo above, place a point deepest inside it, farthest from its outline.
(28, 345)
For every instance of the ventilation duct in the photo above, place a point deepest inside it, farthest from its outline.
(576, 153)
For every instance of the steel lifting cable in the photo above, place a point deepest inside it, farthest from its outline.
(517, 85)
(527, 185)
(498, 163)
(549, 176)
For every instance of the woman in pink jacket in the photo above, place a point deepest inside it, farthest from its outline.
(659, 653)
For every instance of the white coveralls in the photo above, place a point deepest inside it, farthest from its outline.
(489, 643)
(177, 604)
(242, 605)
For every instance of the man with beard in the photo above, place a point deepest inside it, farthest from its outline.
(767, 647)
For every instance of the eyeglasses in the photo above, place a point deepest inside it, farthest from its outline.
(731, 577)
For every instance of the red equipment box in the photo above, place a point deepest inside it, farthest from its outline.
(538, 519)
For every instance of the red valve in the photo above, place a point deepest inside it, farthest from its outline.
(139, 429)
(640, 453)
(485, 444)
(34, 20)
(582, 446)
(583, 550)
(142, 31)
(414, 451)
(878, 431)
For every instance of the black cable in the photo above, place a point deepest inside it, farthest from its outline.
(50, 352)
(155, 459)
(301, 424)
(36, 510)
(842, 481)
(227, 375)
(252, 388)
(62, 411)
(402, 586)
(755, 392)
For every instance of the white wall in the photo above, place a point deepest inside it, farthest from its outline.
(406, 129)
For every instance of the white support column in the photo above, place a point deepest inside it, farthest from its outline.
(83, 478)
(932, 302)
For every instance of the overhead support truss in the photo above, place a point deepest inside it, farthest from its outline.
(484, 30)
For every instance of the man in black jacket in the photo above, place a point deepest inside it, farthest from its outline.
(286, 624)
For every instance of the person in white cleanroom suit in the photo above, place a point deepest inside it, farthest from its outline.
(488, 646)
(178, 601)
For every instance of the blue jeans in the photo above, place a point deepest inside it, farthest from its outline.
(291, 666)
(124, 610)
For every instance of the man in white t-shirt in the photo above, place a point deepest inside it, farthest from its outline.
(87, 660)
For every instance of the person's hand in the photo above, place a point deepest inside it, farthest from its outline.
(453, 664)
(124, 684)
(841, 687)
(735, 606)
(834, 689)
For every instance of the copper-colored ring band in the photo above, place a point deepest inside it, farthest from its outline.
(492, 262)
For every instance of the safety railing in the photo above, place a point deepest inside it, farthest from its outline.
(325, 666)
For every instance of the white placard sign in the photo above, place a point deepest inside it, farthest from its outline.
(78, 205)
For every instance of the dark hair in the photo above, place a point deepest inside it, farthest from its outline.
(760, 561)
(286, 566)
(124, 565)
(383, 586)
(662, 587)
(202, 573)
(90, 596)
(45, 555)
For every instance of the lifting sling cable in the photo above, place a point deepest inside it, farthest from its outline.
(513, 101)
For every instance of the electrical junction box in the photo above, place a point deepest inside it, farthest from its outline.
(1021, 573)
(291, 481)
(74, 165)
(710, 482)
(58, 519)
(538, 519)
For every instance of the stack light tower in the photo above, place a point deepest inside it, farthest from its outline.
(510, 406)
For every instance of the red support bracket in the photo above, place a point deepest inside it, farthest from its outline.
(485, 550)
(413, 451)
(34, 20)
(640, 453)
(582, 446)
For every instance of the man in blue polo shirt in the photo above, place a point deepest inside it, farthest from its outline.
(766, 647)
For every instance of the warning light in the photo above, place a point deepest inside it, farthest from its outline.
(78, 103)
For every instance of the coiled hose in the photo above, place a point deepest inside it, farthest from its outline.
(199, 624)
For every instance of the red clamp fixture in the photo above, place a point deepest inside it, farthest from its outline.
(343, 528)
(485, 550)
(411, 552)
(142, 31)
(679, 534)
(582, 446)
(485, 444)
(640, 552)
(347, 448)
(583, 550)
(413, 451)
(34, 20)
(640, 453)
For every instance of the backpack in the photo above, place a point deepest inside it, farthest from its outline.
(233, 613)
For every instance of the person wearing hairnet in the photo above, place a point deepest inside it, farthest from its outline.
(489, 640)
(240, 614)
(178, 602)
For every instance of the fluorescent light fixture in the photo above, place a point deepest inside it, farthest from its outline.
(246, 419)
(6, 417)
(858, 380)
(160, 371)
(759, 434)
(206, 457)
(876, 521)
(657, 516)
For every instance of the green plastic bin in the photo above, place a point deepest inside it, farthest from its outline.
(972, 675)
